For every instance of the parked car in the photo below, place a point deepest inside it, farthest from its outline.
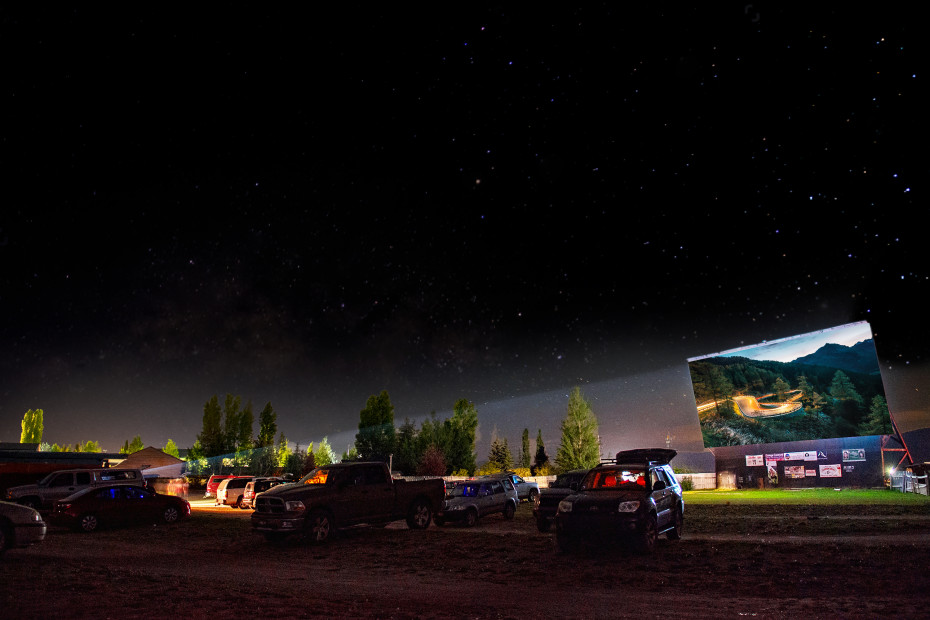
(214, 482)
(473, 499)
(526, 490)
(62, 483)
(547, 502)
(20, 526)
(633, 500)
(115, 505)
(230, 491)
(257, 486)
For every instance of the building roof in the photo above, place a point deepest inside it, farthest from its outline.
(149, 458)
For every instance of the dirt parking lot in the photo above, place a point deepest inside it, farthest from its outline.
(776, 562)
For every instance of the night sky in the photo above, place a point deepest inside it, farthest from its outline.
(494, 204)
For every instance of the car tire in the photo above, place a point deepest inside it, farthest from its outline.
(238, 503)
(471, 518)
(320, 527)
(645, 542)
(419, 516)
(568, 543)
(543, 525)
(170, 514)
(509, 511)
(29, 502)
(88, 522)
(675, 532)
(5, 537)
(533, 494)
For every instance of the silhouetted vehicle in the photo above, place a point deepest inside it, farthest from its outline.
(230, 491)
(256, 487)
(473, 499)
(547, 502)
(20, 526)
(214, 482)
(90, 509)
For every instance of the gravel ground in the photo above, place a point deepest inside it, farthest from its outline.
(851, 561)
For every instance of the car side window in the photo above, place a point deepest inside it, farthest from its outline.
(497, 487)
(508, 485)
(83, 478)
(61, 480)
(110, 494)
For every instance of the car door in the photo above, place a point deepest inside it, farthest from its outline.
(140, 505)
(61, 486)
(662, 495)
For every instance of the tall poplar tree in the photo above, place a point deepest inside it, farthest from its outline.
(33, 425)
(211, 437)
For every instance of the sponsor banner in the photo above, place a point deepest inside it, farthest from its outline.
(854, 454)
(810, 473)
(831, 471)
(794, 471)
(810, 455)
(754, 460)
(775, 457)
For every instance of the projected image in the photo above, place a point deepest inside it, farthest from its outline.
(819, 385)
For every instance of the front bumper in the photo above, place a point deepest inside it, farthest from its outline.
(611, 525)
(25, 534)
(274, 523)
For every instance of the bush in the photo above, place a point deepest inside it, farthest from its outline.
(687, 484)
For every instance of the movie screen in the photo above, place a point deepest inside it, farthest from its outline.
(820, 385)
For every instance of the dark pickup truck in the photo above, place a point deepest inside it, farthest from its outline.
(344, 495)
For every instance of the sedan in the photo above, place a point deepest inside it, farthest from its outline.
(87, 510)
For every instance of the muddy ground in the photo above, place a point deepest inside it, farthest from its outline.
(773, 562)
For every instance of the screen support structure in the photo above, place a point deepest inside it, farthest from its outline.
(898, 437)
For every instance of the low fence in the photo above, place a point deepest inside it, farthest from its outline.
(908, 482)
(700, 481)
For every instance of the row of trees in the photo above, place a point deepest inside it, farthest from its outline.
(447, 447)
(437, 447)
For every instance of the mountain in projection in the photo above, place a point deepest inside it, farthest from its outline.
(860, 357)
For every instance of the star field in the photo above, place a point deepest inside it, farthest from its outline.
(309, 207)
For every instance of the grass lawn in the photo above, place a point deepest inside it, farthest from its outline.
(825, 497)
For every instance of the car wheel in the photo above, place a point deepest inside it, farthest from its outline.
(568, 543)
(419, 516)
(675, 532)
(4, 537)
(533, 494)
(543, 525)
(170, 515)
(646, 539)
(471, 518)
(320, 527)
(29, 502)
(238, 503)
(509, 511)
(88, 523)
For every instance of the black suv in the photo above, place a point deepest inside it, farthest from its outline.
(635, 499)
(547, 501)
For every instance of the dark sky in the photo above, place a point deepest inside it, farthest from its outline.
(498, 204)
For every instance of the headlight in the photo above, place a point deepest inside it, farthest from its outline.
(294, 506)
(628, 506)
(565, 506)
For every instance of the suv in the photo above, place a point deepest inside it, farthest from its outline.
(473, 499)
(526, 490)
(256, 486)
(635, 499)
(231, 490)
(214, 482)
(20, 526)
(62, 483)
(547, 502)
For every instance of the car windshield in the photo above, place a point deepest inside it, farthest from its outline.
(317, 476)
(615, 478)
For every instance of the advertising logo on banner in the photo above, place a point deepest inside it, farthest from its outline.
(831, 471)
(754, 460)
(854, 454)
(794, 471)
(811, 473)
(775, 457)
(810, 455)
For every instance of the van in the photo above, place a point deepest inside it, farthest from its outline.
(62, 483)
(231, 490)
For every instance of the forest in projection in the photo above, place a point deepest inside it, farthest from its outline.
(744, 401)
